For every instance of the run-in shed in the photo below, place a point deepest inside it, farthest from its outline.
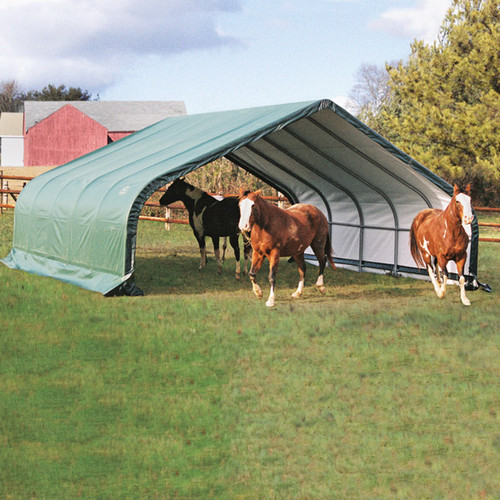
(78, 222)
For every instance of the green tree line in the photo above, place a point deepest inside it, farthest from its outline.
(442, 105)
(12, 96)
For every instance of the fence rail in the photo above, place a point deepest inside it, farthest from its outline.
(5, 191)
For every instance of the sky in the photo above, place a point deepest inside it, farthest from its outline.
(214, 55)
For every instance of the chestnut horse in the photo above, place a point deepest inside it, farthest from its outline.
(438, 236)
(211, 217)
(276, 233)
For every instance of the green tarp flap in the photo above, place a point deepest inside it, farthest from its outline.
(77, 222)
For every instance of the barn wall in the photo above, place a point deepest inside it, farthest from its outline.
(61, 137)
(12, 152)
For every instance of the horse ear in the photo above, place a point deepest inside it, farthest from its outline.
(456, 190)
(242, 192)
(467, 189)
(258, 192)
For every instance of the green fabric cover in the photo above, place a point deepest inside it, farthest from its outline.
(77, 222)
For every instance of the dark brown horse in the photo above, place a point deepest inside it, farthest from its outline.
(438, 236)
(211, 217)
(276, 233)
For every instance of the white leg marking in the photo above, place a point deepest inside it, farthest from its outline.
(443, 285)
(437, 288)
(203, 255)
(465, 300)
(320, 285)
(257, 290)
(270, 300)
(298, 292)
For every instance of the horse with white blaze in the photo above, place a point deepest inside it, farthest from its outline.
(439, 236)
(277, 232)
(209, 217)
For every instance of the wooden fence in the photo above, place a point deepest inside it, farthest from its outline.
(6, 194)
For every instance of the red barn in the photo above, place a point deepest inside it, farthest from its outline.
(56, 132)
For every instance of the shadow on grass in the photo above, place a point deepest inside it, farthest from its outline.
(178, 273)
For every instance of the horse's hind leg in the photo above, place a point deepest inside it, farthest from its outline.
(461, 282)
(442, 275)
(301, 264)
(247, 253)
(203, 252)
(432, 276)
(233, 239)
(215, 241)
(224, 246)
(319, 252)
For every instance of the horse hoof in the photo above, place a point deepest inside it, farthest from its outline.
(270, 303)
(237, 276)
(296, 295)
(466, 302)
(322, 289)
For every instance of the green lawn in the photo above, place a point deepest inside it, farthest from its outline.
(376, 390)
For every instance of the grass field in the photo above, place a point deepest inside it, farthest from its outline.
(376, 390)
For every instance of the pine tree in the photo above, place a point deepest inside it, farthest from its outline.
(444, 105)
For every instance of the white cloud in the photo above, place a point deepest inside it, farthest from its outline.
(421, 22)
(88, 42)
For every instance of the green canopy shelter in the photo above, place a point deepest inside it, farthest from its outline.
(78, 222)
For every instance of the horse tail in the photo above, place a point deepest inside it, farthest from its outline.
(414, 250)
(329, 250)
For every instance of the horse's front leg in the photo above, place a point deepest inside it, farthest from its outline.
(257, 260)
(301, 264)
(274, 259)
(215, 241)
(461, 281)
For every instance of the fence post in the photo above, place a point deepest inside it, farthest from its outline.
(167, 216)
(4, 185)
(281, 203)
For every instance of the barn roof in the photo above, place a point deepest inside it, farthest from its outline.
(116, 116)
(78, 222)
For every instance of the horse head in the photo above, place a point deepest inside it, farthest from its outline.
(463, 204)
(248, 209)
(174, 192)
